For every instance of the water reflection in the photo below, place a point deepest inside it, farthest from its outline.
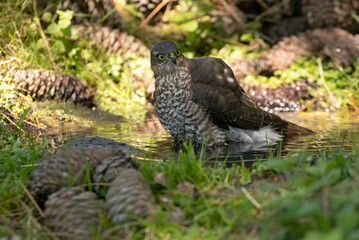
(145, 132)
(335, 131)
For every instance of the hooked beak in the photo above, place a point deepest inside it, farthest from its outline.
(173, 58)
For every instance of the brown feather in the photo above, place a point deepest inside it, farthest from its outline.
(215, 87)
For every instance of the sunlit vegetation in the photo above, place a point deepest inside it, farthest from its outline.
(302, 197)
(308, 196)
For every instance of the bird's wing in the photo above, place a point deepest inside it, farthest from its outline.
(215, 87)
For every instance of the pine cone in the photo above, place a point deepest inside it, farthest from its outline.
(285, 98)
(331, 13)
(342, 53)
(291, 49)
(114, 41)
(97, 9)
(124, 45)
(65, 167)
(73, 212)
(42, 84)
(129, 196)
(144, 6)
(109, 168)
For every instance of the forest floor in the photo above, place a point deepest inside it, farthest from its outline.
(300, 196)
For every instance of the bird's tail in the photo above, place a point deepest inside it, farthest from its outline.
(294, 129)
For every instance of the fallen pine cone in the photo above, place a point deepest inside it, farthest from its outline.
(66, 167)
(144, 6)
(341, 53)
(288, 97)
(331, 13)
(125, 46)
(129, 197)
(109, 168)
(291, 49)
(42, 84)
(73, 212)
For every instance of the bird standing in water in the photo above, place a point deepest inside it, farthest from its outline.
(200, 99)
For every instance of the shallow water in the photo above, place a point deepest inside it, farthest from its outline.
(144, 131)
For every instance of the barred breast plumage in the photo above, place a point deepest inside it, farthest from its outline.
(200, 99)
(177, 112)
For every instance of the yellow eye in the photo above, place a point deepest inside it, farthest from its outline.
(178, 52)
(161, 57)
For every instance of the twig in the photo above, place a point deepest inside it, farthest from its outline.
(27, 209)
(13, 123)
(167, 12)
(251, 198)
(356, 108)
(263, 4)
(154, 12)
(30, 165)
(47, 45)
(33, 200)
(10, 60)
(271, 11)
(231, 11)
(30, 123)
(8, 73)
(305, 106)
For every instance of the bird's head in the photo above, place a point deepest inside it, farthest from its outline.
(165, 57)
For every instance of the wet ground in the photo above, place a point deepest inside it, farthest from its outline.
(142, 130)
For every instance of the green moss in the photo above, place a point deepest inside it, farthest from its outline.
(303, 196)
(335, 86)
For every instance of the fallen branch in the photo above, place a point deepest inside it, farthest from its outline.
(305, 106)
(356, 108)
(25, 121)
(233, 13)
(33, 200)
(251, 198)
(154, 12)
(13, 123)
(47, 45)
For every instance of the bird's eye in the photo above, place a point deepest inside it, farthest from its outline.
(161, 57)
(178, 52)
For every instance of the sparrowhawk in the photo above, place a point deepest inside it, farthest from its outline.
(200, 99)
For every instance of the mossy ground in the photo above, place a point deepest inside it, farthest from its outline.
(304, 196)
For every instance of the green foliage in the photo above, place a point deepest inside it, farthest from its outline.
(18, 158)
(194, 25)
(317, 197)
(304, 196)
(335, 86)
(60, 36)
(79, 57)
(194, 21)
(200, 197)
